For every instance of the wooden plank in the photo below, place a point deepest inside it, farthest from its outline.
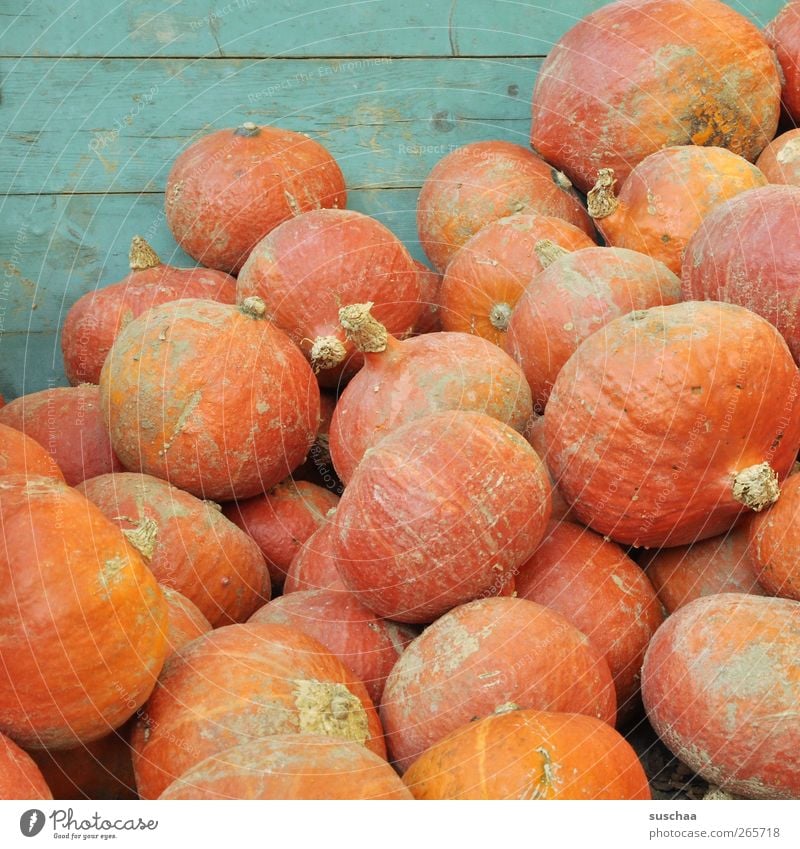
(29, 362)
(82, 125)
(231, 28)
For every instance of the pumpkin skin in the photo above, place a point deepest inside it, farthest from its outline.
(486, 278)
(535, 436)
(721, 686)
(463, 488)
(681, 429)
(683, 72)
(314, 566)
(68, 423)
(309, 267)
(482, 182)
(20, 778)
(747, 253)
(367, 645)
(239, 683)
(189, 545)
(19, 454)
(717, 565)
(83, 639)
(603, 593)
(210, 397)
(530, 754)
(402, 381)
(442, 679)
(185, 620)
(665, 198)
(230, 188)
(430, 282)
(572, 298)
(780, 160)
(280, 521)
(289, 767)
(94, 320)
(783, 34)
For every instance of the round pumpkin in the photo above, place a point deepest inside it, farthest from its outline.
(94, 320)
(721, 685)
(665, 198)
(630, 79)
(68, 423)
(19, 454)
(783, 34)
(482, 656)
(367, 645)
(748, 253)
(780, 160)
(530, 755)
(20, 778)
(668, 423)
(430, 283)
(482, 182)
(291, 767)
(486, 278)
(314, 566)
(575, 296)
(185, 620)
(188, 544)
(309, 267)
(230, 188)
(213, 398)
(402, 381)
(240, 683)
(84, 621)
(436, 512)
(281, 520)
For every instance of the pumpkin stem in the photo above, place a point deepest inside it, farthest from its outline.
(141, 256)
(253, 307)
(756, 486)
(601, 200)
(326, 352)
(548, 252)
(142, 537)
(330, 708)
(362, 329)
(248, 130)
(499, 316)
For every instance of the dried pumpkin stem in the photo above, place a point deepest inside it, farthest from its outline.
(362, 329)
(756, 486)
(500, 315)
(253, 307)
(601, 200)
(327, 352)
(548, 252)
(248, 129)
(141, 255)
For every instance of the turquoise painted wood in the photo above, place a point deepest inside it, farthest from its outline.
(97, 100)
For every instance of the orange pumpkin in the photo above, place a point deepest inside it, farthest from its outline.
(314, 566)
(19, 454)
(20, 778)
(665, 425)
(780, 160)
(185, 620)
(535, 435)
(430, 282)
(230, 188)
(530, 755)
(213, 398)
(783, 34)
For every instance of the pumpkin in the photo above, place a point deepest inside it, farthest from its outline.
(291, 767)
(318, 468)
(572, 298)
(281, 520)
(94, 320)
(185, 620)
(482, 182)
(668, 423)
(430, 282)
(482, 656)
(68, 423)
(213, 398)
(630, 79)
(83, 635)
(240, 683)
(665, 198)
(314, 566)
(783, 34)
(748, 253)
(436, 512)
(775, 544)
(603, 593)
(188, 544)
(722, 564)
(19, 454)
(310, 266)
(721, 685)
(367, 645)
(230, 188)
(20, 778)
(530, 755)
(401, 381)
(486, 278)
(780, 160)
(535, 436)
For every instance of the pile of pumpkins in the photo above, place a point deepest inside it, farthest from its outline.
(316, 521)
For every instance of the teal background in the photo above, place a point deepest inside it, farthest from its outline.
(97, 100)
